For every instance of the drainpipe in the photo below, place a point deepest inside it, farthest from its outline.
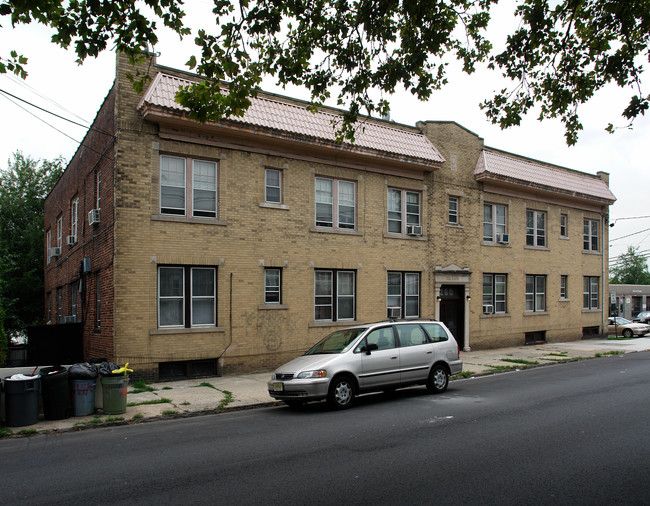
(604, 281)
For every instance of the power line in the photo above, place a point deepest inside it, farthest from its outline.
(42, 109)
(629, 235)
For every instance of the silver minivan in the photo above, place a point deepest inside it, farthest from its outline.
(371, 357)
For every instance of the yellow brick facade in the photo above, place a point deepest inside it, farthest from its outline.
(249, 235)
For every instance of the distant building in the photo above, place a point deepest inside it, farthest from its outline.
(629, 300)
(188, 248)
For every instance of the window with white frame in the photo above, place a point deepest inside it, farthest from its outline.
(535, 293)
(59, 231)
(98, 305)
(494, 222)
(59, 305)
(176, 174)
(335, 203)
(272, 285)
(453, 210)
(74, 218)
(403, 210)
(334, 295)
(535, 228)
(403, 292)
(563, 286)
(494, 293)
(590, 294)
(187, 296)
(564, 225)
(591, 235)
(273, 186)
(204, 189)
(74, 300)
(48, 245)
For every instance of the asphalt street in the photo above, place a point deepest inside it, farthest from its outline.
(575, 434)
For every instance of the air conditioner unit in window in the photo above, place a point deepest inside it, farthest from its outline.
(69, 319)
(93, 217)
(503, 238)
(394, 312)
(70, 240)
(488, 309)
(413, 230)
(55, 252)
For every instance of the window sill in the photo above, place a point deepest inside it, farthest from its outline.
(195, 330)
(185, 219)
(596, 310)
(271, 205)
(453, 225)
(264, 307)
(537, 248)
(324, 230)
(340, 323)
(564, 238)
(388, 235)
(496, 244)
(563, 299)
(536, 313)
(590, 252)
(495, 315)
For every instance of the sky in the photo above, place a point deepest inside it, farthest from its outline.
(56, 83)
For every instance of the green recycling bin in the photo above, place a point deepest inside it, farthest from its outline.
(114, 394)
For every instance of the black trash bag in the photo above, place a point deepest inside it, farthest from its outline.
(83, 370)
(107, 368)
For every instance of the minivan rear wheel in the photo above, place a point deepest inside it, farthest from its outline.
(438, 379)
(341, 392)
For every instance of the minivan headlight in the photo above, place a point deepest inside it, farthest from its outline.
(321, 373)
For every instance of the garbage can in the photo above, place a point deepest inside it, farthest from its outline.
(56, 392)
(21, 400)
(114, 394)
(83, 382)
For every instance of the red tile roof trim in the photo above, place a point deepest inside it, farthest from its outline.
(492, 166)
(293, 121)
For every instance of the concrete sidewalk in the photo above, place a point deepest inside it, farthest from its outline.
(194, 397)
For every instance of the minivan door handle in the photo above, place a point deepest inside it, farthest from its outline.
(393, 358)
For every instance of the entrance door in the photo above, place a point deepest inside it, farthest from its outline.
(452, 311)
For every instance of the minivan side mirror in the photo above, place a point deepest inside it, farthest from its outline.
(370, 347)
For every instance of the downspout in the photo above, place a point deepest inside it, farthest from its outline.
(229, 325)
(604, 281)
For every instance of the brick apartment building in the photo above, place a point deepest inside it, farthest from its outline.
(189, 248)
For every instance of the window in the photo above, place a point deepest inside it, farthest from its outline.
(453, 210)
(98, 197)
(411, 335)
(535, 228)
(272, 282)
(74, 217)
(535, 293)
(403, 292)
(59, 305)
(334, 295)
(335, 203)
(48, 245)
(591, 235)
(494, 293)
(563, 287)
(187, 296)
(590, 292)
(204, 189)
(98, 319)
(74, 300)
(273, 186)
(494, 222)
(59, 231)
(402, 203)
(174, 178)
(564, 220)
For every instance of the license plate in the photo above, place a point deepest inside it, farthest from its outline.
(278, 386)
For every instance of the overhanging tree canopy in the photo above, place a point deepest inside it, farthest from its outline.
(558, 58)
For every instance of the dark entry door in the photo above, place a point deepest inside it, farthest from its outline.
(452, 311)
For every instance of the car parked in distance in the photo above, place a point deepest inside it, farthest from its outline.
(643, 317)
(380, 356)
(623, 327)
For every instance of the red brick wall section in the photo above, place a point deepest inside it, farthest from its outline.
(95, 154)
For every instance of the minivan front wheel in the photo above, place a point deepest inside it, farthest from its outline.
(438, 379)
(341, 392)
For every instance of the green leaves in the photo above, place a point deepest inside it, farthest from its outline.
(562, 56)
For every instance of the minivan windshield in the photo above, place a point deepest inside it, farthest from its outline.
(337, 342)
